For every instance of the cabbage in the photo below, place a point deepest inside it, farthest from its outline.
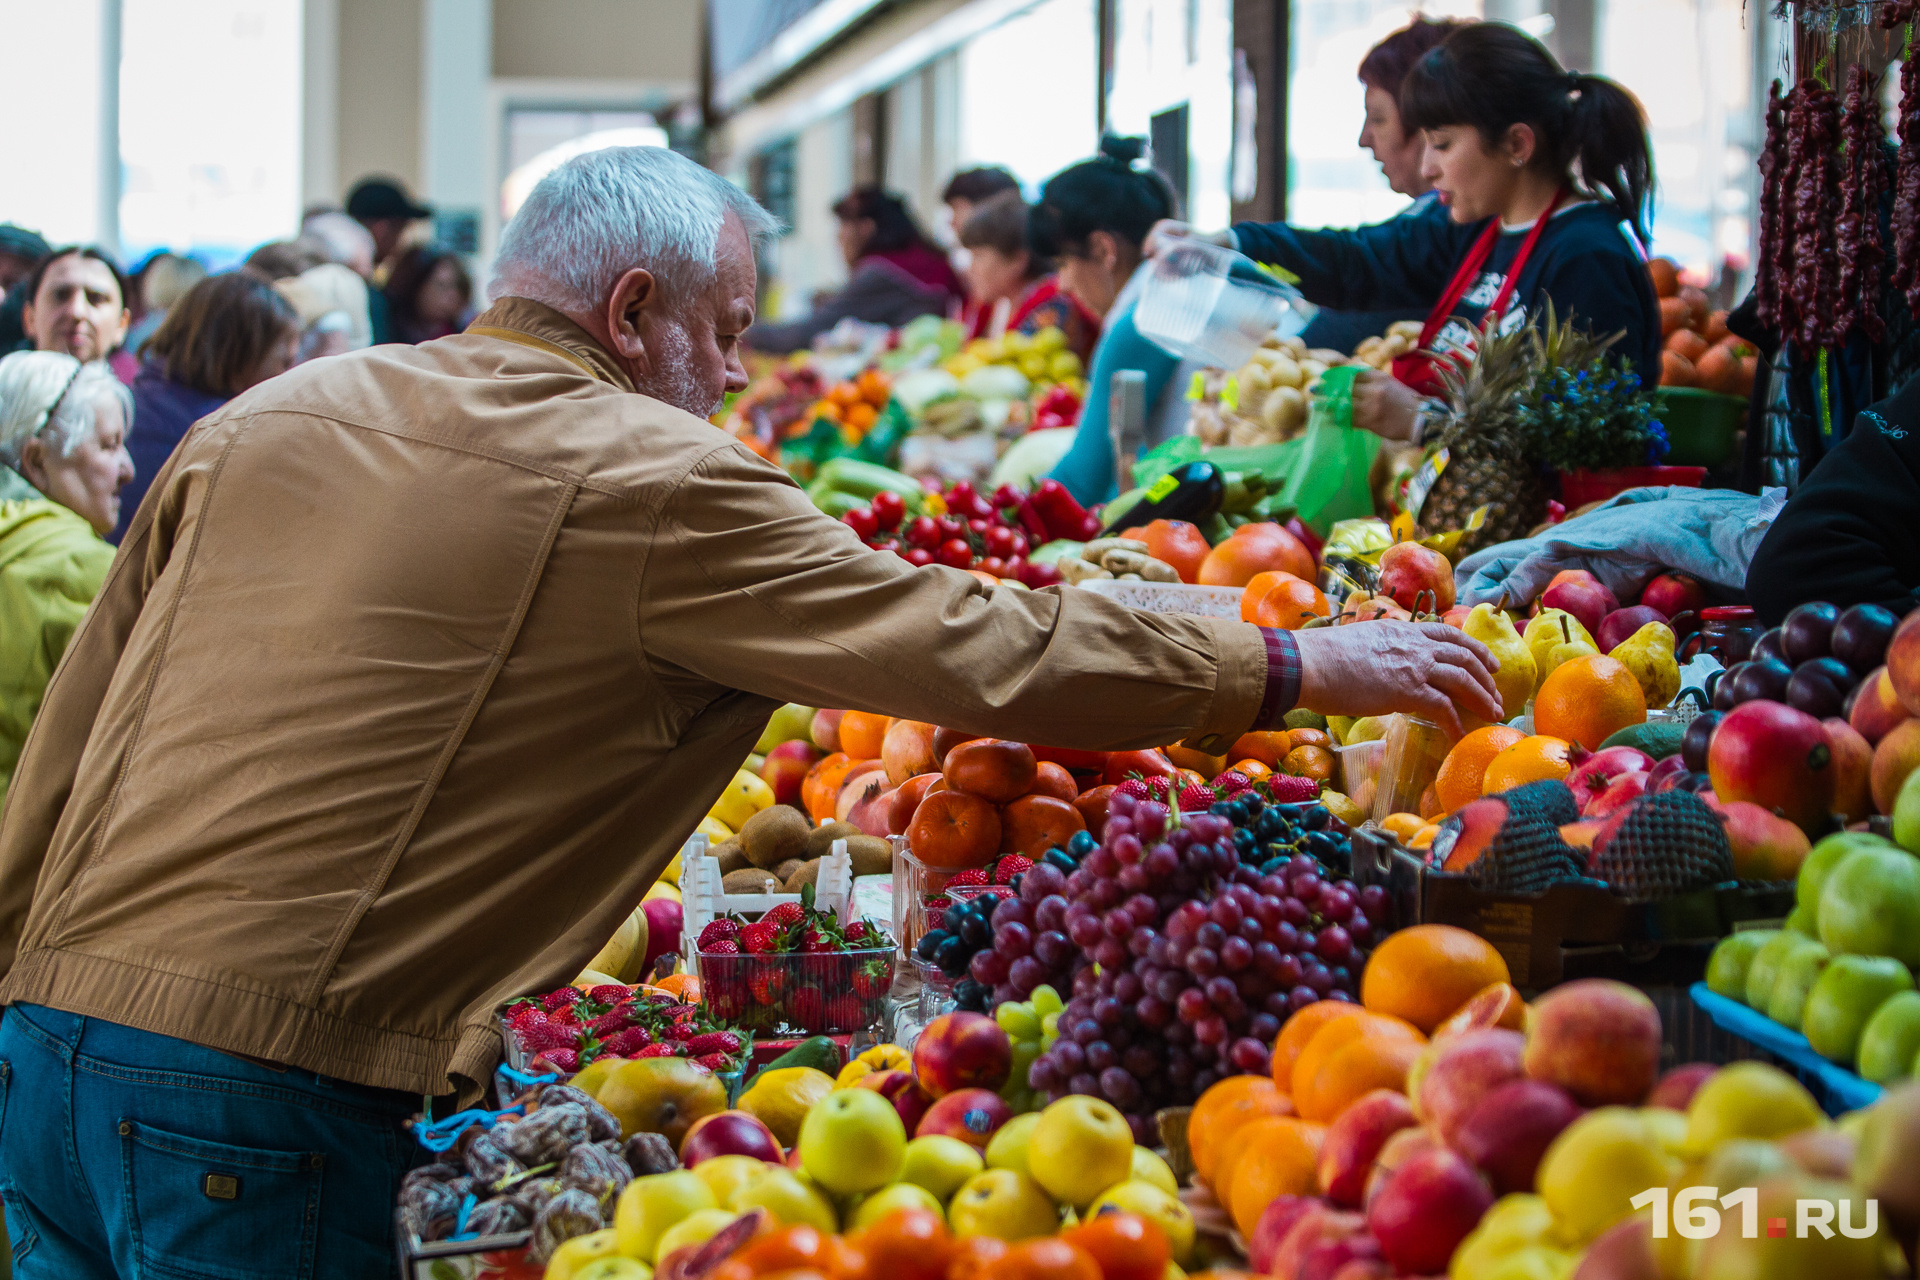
(996, 382)
(916, 390)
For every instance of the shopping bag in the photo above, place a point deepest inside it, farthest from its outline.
(1327, 478)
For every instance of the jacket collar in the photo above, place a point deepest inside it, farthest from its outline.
(542, 328)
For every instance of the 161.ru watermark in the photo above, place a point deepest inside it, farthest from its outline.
(1694, 1214)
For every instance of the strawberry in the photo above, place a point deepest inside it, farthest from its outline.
(656, 1051)
(608, 1023)
(714, 1042)
(551, 1035)
(1231, 783)
(527, 1015)
(860, 933)
(783, 915)
(1134, 787)
(565, 1016)
(872, 980)
(1196, 799)
(678, 1032)
(768, 985)
(714, 1061)
(1010, 866)
(609, 993)
(724, 947)
(816, 942)
(976, 875)
(565, 1061)
(936, 916)
(565, 995)
(716, 930)
(1288, 789)
(810, 1009)
(759, 939)
(628, 1043)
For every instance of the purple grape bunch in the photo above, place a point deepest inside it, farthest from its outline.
(1182, 959)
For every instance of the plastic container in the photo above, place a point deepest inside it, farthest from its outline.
(919, 890)
(702, 898)
(1414, 751)
(1702, 426)
(1578, 488)
(1170, 597)
(830, 993)
(1359, 771)
(1203, 302)
(1726, 634)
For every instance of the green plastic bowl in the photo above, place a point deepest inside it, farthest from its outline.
(1702, 426)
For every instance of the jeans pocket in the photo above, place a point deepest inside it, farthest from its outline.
(201, 1210)
(21, 1233)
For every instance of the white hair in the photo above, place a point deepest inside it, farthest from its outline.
(52, 395)
(340, 239)
(601, 214)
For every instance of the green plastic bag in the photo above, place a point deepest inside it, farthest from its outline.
(1328, 480)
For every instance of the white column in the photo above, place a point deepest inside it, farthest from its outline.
(456, 51)
(107, 195)
(320, 103)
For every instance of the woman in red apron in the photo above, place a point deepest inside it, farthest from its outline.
(1547, 176)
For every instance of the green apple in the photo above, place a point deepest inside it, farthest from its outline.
(941, 1164)
(725, 1175)
(853, 1140)
(1007, 1148)
(1870, 905)
(1787, 1002)
(1005, 1204)
(1804, 920)
(1748, 1100)
(1727, 966)
(651, 1204)
(1156, 1206)
(791, 1201)
(1148, 1167)
(1906, 814)
(1081, 1147)
(789, 722)
(614, 1268)
(1823, 857)
(701, 1224)
(1767, 961)
(1846, 995)
(901, 1195)
(1891, 1040)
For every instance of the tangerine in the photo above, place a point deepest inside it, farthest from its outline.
(1368, 1063)
(1465, 767)
(1330, 1040)
(683, 986)
(1176, 542)
(1309, 762)
(973, 1254)
(954, 830)
(907, 1244)
(1299, 1028)
(1423, 838)
(1588, 700)
(1126, 1246)
(1049, 1258)
(1250, 769)
(1282, 601)
(1425, 972)
(1402, 826)
(1281, 1157)
(1268, 746)
(1226, 1106)
(820, 789)
(1255, 549)
(1528, 760)
(1208, 767)
(863, 735)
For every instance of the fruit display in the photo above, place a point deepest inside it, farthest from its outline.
(567, 1029)
(1697, 350)
(963, 530)
(1815, 661)
(796, 968)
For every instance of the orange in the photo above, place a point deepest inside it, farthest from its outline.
(1309, 738)
(1425, 972)
(1225, 1107)
(1125, 1245)
(1309, 762)
(1268, 746)
(1251, 770)
(1369, 1027)
(1368, 1063)
(1282, 601)
(1498, 1005)
(1588, 700)
(1208, 767)
(1254, 549)
(1049, 1258)
(1528, 760)
(683, 985)
(1462, 772)
(972, 1255)
(820, 789)
(863, 735)
(1180, 544)
(1402, 826)
(907, 1244)
(1277, 1158)
(1423, 838)
(1300, 1027)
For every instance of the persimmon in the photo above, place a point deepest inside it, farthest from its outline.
(906, 799)
(1053, 780)
(1122, 765)
(1032, 825)
(954, 830)
(992, 769)
(1092, 804)
(1254, 549)
(1126, 1246)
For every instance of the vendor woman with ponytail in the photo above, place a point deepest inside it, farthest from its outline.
(1547, 176)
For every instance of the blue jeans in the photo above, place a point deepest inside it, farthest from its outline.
(125, 1153)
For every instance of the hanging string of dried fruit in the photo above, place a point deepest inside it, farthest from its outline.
(1776, 223)
(1895, 14)
(1906, 188)
(1858, 234)
(1813, 122)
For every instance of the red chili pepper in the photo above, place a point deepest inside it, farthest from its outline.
(1063, 516)
(1030, 520)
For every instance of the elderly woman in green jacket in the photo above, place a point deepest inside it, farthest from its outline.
(63, 430)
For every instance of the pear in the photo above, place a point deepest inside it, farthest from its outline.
(1515, 678)
(1648, 653)
(1549, 628)
(1573, 646)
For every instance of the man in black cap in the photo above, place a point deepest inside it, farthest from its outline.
(20, 252)
(385, 209)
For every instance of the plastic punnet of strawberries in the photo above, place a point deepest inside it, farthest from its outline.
(797, 967)
(566, 1029)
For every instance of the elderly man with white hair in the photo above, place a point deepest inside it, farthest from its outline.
(416, 668)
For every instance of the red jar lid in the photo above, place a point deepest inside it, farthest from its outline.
(1727, 613)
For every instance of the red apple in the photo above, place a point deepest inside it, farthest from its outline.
(1355, 1257)
(1852, 770)
(1626, 788)
(1903, 662)
(1402, 1148)
(1354, 1140)
(1431, 1205)
(1765, 847)
(1276, 1220)
(1876, 707)
(971, 1115)
(729, 1133)
(1511, 1127)
(903, 1091)
(1676, 1088)
(962, 1050)
(1623, 1251)
(1617, 626)
(1674, 594)
(1596, 1038)
(825, 730)
(1777, 758)
(1599, 770)
(1409, 570)
(786, 768)
(1465, 1067)
(1582, 595)
(1319, 1224)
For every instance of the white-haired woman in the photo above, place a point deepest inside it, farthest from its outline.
(63, 429)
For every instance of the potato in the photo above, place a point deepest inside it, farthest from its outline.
(1326, 356)
(1253, 376)
(773, 835)
(1294, 347)
(1408, 329)
(1312, 369)
(1284, 410)
(870, 855)
(751, 880)
(820, 839)
(807, 873)
(731, 857)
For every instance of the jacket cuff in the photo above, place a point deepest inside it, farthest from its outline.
(1283, 678)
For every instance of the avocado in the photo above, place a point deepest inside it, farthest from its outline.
(819, 1052)
(1658, 739)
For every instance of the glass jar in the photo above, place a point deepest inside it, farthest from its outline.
(1726, 634)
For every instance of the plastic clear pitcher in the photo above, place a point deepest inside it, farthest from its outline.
(1203, 302)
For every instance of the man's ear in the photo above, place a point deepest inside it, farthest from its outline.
(634, 294)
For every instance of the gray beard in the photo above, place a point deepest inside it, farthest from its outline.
(672, 380)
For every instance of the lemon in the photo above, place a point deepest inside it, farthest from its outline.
(781, 1099)
(1748, 1100)
(714, 830)
(745, 796)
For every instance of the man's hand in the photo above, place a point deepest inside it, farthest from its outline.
(1426, 669)
(1384, 405)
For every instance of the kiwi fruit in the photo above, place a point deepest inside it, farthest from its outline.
(773, 835)
(731, 857)
(870, 855)
(785, 870)
(820, 839)
(805, 873)
(749, 880)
